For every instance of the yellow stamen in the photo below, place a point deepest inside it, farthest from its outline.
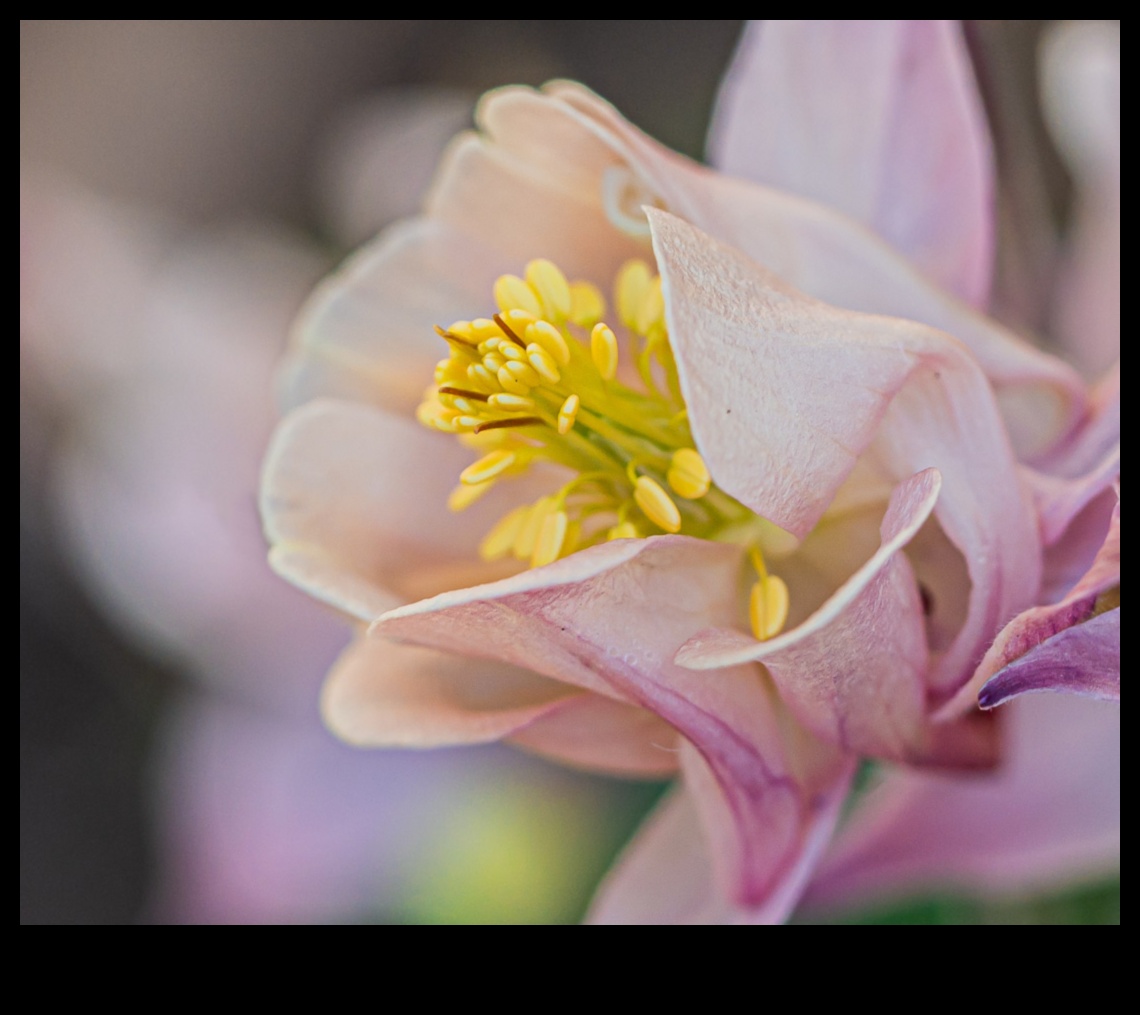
(512, 293)
(527, 534)
(632, 283)
(511, 383)
(652, 309)
(544, 333)
(488, 467)
(768, 607)
(500, 540)
(604, 350)
(523, 372)
(587, 306)
(543, 363)
(463, 496)
(511, 403)
(688, 475)
(550, 284)
(551, 536)
(567, 414)
(656, 504)
(623, 530)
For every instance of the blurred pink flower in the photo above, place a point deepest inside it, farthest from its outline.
(887, 458)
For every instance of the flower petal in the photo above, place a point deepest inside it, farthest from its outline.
(384, 695)
(878, 119)
(828, 256)
(599, 734)
(1050, 815)
(531, 185)
(366, 332)
(665, 875)
(1083, 659)
(354, 503)
(1036, 651)
(560, 620)
(853, 673)
(785, 394)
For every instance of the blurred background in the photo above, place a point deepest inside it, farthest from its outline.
(183, 186)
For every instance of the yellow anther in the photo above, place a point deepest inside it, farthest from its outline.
(688, 475)
(587, 305)
(493, 360)
(768, 607)
(623, 530)
(548, 281)
(465, 424)
(463, 496)
(488, 467)
(463, 329)
(630, 289)
(512, 293)
(490, 344)
(434, 415)
(451, 370)
(523, 372)
(652, 310)
(480, 376)
(510, 383)
(512, 403)
(551, 536)
(499, 541)
(567, 414)
(656, 504)
(518, 320)
(550, 338)
(526, 536)
(604, 350)
(483, 328)
(509, 351)
(543, 363)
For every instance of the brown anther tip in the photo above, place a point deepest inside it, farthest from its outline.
(504, 424)
(452, 337)
(508, 332)
(475, 396)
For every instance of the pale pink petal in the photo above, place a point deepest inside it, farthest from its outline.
(786, 393)
(1074, 552)
(665, 875)
(1031, 643)
(531, 184)
(600, 734)
(878, 119)
(561, 620)
(367, 330)
(354, 503)
(829, 256)
(854, 672)
(1049, 816)
(380, 694)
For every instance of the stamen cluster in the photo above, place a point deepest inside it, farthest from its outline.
(543, 380)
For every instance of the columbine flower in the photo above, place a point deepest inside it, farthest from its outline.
(716, 468)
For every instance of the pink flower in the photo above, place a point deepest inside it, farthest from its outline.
(835, 443)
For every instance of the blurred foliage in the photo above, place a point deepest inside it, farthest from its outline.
(1099, 904)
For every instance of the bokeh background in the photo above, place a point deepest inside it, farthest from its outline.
(183, 185)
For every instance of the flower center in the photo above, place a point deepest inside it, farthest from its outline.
(545, 380)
